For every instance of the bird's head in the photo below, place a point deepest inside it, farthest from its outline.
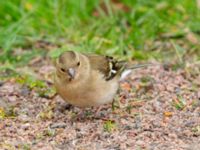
(71, 66)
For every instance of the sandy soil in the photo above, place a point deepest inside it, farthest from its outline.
(156, 108)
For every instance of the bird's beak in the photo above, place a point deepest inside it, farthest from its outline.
(71, 72)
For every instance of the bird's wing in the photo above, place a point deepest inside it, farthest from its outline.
(108, 66)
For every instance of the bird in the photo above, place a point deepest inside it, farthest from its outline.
(87, 80)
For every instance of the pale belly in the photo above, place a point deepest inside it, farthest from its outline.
(89, 95)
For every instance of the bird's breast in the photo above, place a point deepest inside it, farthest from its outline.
(95, 92)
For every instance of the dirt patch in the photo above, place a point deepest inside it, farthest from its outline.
(156, 108)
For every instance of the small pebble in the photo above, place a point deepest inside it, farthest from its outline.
(58, 125)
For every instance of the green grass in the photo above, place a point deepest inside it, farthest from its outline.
(109, 126)
(70, 24)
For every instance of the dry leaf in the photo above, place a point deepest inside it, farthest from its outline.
(168, 114)
(126, 86)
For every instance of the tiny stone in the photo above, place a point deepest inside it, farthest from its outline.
(26, 126)
(1, 83)
(23, 117)
(58, 125)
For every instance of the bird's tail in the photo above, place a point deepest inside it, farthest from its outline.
(136, 66)
(122, 68)
(129, 67)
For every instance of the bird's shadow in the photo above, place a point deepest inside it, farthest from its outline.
(85, 114)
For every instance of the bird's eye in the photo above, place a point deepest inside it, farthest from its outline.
(63, 70)
(78, 64)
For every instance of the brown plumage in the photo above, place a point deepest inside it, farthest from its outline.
(86, 80)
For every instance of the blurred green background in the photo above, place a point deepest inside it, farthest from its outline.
(132, 29)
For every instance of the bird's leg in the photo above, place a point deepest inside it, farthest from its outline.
(68, 106)
(64, 107)
(99, 108)
(113, 104)
(78, 115)
(75, 113)
(100, 111)
(116, 99)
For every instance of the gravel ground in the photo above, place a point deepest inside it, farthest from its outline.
(156, 108)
